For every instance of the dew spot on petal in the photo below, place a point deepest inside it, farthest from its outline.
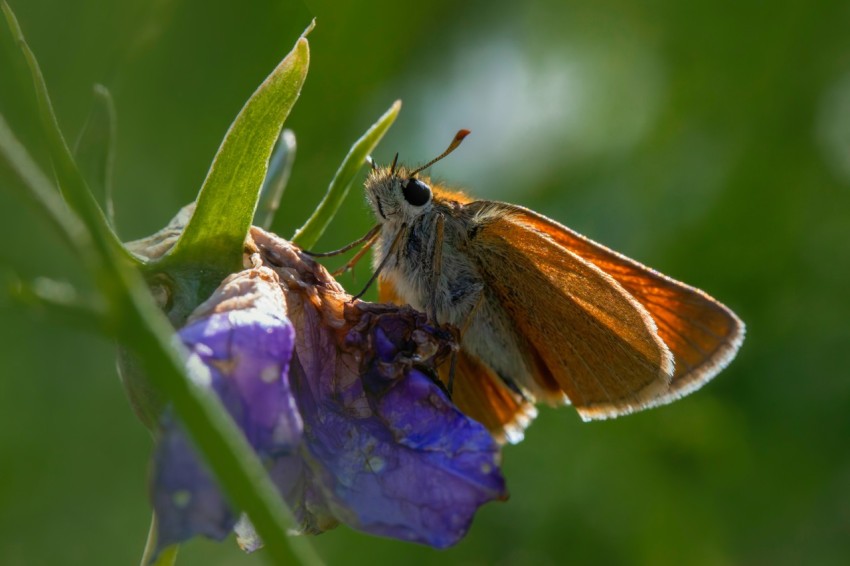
(375, 463)
(270, 373)
(181, 498)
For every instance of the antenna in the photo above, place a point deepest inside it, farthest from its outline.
(452, 146)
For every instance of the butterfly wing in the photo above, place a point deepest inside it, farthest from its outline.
(703, 334)
(477, 390)
(479, 393)
(581, 330)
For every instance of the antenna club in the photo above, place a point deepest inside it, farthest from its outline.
(452, 146)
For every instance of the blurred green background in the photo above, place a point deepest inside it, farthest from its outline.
(708, 140)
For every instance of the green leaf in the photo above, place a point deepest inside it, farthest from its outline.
(94, 151)
(309, 234)
(215, 235)
(71, 182)
(280, 166)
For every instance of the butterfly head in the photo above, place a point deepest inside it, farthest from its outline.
(397, 193)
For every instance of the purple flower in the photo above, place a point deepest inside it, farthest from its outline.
(341, 403)
(243, 355)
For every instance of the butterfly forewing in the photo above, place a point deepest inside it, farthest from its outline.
(702, 333)
(594, 339)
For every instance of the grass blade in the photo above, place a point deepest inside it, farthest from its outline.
(307, 236)
(280, 166)
(94, 151)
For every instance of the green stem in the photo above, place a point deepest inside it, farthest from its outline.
(137, 320)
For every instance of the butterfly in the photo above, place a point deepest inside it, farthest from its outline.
(544, 313)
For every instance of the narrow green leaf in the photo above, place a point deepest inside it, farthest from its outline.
(309, 234)
(95, 148)
(280, 167)
(71, 183)
(216, 233)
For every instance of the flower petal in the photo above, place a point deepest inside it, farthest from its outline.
(186, 499)
(240, 343)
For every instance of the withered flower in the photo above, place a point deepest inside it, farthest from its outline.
(340, 401)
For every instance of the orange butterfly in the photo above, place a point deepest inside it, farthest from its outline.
(545, 314)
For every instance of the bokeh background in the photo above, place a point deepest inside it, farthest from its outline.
(709, 140)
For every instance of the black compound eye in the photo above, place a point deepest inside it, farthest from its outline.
(416, 192)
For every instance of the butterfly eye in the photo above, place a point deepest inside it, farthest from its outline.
(416, 192)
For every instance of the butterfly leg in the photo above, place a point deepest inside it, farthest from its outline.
(383, 264)
(358, 256)
(369, 238)
(452, 367)
(436, 269)
(467, 322)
